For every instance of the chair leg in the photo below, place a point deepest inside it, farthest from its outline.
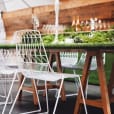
(77, 85)
(59, 91)
(86, 90)
(11, 96)
(3, 87)
(83, 96)
(17, 96)
(46, 91)
(9, 93)
(20, 88)
(4, 84)
(76, 82)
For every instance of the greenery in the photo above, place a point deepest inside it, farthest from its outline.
(107, 67)
(82, 40)
(93, 75)
(83, 37)
(98, 38)
(48, 38)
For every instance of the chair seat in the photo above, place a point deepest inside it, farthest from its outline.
(64, 65)
(82, 66)
(8, 71)
(48, 76)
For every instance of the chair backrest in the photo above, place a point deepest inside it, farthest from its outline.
(81, 61)
(93, 66)
(7, 57)
(94, 62)
(70, 58)
(31, 51)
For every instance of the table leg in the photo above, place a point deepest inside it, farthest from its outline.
(55, 55)
(35, 99)
(20, 81)
(84, 81)
(31, 89)
(103, 85)
(104, 101)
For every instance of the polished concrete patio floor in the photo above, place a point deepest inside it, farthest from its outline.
(63, 107)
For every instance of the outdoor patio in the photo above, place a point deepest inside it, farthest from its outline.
(29, 29)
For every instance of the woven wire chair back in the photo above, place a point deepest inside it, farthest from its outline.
(93, 65)
(68, 58)
(30, 51)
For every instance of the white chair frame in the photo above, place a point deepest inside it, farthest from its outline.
(6, 74)
(35, 65)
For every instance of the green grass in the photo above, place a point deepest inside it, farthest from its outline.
(107, 67)
(93, 76)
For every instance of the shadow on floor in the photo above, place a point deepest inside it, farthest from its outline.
(66, 107)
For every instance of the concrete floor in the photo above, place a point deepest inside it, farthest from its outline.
(63, 107)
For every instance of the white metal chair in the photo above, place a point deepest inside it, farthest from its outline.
(69, 60)
(6, 75)
(93, 66)
(35, 65)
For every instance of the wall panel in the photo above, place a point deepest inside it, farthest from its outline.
(85, 9)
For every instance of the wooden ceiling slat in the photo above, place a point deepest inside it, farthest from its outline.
(85, 9)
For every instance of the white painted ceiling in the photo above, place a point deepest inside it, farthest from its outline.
(13, 5)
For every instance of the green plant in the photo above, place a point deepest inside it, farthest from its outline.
(93, 76)
(112, 27)
(47, 39)
(110, 35)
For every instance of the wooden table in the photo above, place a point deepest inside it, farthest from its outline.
(106, 93)
(92, 50)
(104, 101)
